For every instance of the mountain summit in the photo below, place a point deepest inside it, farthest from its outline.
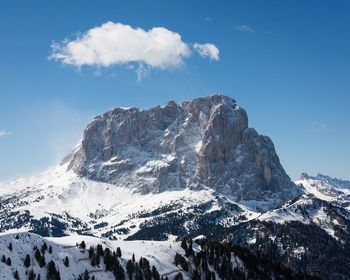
(193, 169)
(201, 143)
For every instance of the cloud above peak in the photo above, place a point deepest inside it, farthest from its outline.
(244, 28)
(119, 44)
(4, 133)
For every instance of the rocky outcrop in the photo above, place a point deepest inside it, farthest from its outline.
(202, 143)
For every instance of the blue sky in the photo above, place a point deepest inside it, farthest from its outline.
(286, 62)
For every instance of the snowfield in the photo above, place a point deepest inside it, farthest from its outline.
(160, 254)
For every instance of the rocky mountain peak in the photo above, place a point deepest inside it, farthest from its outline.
(201, 143)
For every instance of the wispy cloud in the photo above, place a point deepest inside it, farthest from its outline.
(119, 44)
(244, 28)
(4, 133)
(207, 50)
(318, 126)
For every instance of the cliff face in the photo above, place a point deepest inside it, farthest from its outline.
(202, 143)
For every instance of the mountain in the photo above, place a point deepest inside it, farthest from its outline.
(203, 143)
(186, 170)
(327, 188)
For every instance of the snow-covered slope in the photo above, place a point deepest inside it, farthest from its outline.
(160, 254)
(58, 202)
(327, 188)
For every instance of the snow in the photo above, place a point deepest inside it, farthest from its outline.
(160, 254)
(60, 191)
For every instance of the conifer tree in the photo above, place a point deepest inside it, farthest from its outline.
(130, 269)
(27, 261)
(50, 249)
(91, 252)
(99, 249)
(16, 275)
(10, 246)
(37, 254)
(43, 248)
(8, 261)
(178, 276)
(66, 261)
(184, 244)
(86, 275)
(119, 252)
(31, 275)
(82, 245)
(42, 261)
(155, 273)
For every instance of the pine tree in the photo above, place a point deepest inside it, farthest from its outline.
(86, 275)
(66, 261)
(119, 272)
(180, 260)
(8, 261)
(31, 275)
(196, 275)
(133, 258)
(189, 251)
(130, 268)
(184, 244)
(119, 252)
(91, 252)
(43, 248)
(15, 275)
(38, 277)
(50, 249)
(42, 261)
(52, 272)
(98, 259)
(3, 259)
(82, 245)
(99, 249)
(155, 273)
(10, 246)
(17, 237)
(138, 273)
(178, 276)
(37, 254)
(93, 277)
(27, 261)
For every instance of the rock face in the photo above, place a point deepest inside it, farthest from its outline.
(202, 143)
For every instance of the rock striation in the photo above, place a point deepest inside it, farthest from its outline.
(203, 143)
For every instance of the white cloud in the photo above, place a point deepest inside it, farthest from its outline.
(119, 44)
(4, 133)
(319, 126)
(244, 28)
(207, 50)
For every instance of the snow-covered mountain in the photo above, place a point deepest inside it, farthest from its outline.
(327, 188)
(203, 143)
(187, 169)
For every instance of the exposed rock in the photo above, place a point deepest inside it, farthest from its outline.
(201, 143)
